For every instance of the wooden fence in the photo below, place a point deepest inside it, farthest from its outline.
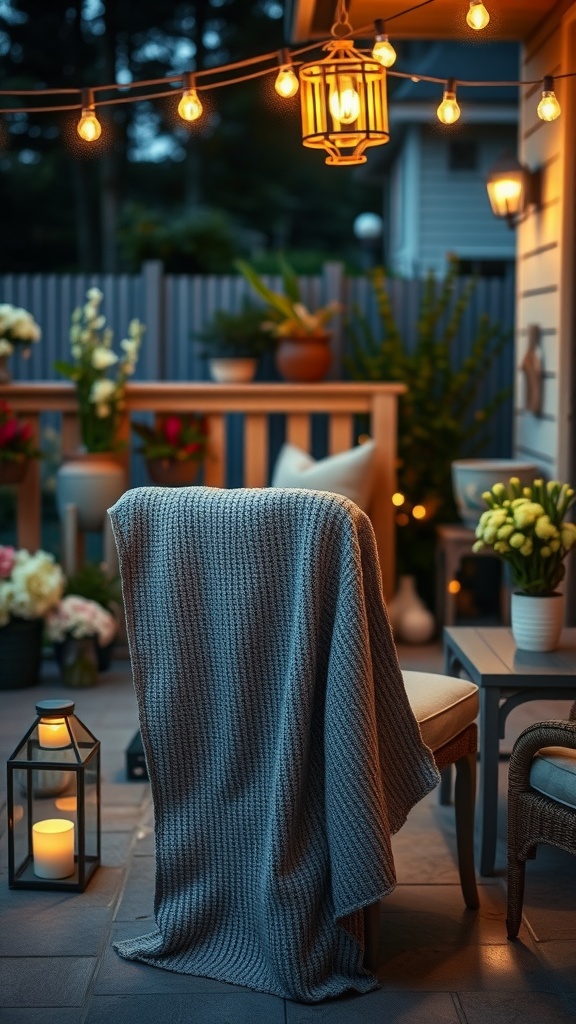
(176, 307)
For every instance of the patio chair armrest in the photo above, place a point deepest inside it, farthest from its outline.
(530, 741)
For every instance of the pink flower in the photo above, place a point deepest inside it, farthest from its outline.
(7, 559)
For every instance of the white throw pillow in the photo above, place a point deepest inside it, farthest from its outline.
(348, 473)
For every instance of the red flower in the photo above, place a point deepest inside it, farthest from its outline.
(9, 431)
(172, 428)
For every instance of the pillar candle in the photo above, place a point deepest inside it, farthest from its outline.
(53, 848)
(53, 733)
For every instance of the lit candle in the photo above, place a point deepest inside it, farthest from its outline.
(53, 733)
(53, 848)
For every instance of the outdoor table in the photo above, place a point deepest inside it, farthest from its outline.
(506, 677)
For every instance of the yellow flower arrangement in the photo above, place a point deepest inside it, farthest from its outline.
(525, 526)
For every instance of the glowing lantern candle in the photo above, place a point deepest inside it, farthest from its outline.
(53, 848)
(53, 733)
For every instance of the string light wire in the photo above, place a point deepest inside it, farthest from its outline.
(203, 78)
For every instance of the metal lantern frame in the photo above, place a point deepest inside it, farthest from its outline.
(56, 765)
(321, 129)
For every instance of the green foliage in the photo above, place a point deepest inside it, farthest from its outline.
(93, 582)
(176, 438)
(240, 334)
(287, 314)
(205, 241)
(434, 422)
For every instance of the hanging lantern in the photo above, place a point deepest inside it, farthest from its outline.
(54, 802)
(344, 104)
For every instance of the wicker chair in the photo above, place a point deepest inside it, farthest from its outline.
(541, 802)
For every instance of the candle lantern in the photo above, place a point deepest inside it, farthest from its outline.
(54, 802)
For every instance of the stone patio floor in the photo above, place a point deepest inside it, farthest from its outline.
(441, 963)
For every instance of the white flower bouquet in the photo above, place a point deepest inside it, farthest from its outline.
(525, 526)
(100, 396)
(17, 327)
(80, 617)
(30, 585)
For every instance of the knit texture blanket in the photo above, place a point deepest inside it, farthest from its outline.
(281, 748)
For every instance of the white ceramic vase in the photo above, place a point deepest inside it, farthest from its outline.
(537, 621)
(92, 481)
(410, 619)
(232, 371)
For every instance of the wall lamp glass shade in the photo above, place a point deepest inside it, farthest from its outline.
(54, 802)
(512, 188)
(344, 105)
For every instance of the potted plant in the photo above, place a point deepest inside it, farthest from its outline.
(93, 582)
(16, 446)
(434, 425)
(78, 626)
(526, 527)
(303, 342)
(93, 479)
(233, 342)
(173, 448)
(30, 585)
(18, 329)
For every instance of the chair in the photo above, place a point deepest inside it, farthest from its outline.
(280, 742)
(541, 802)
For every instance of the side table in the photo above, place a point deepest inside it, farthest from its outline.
(506, 677)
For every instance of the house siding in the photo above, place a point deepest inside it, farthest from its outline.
(545, 240)
(436, 211)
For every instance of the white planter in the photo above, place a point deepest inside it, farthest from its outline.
(471, 477)
(232, 371)
(92, 482)
(537, 621)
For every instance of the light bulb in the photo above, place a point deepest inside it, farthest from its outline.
(286, 84)
(383, 51)
(449, 111)
(344, 101)
(88, 127)
(477, 16)
(190, 107)
(548, 108)
(506, 191)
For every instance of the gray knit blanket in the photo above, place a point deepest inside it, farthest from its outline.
(281, 748)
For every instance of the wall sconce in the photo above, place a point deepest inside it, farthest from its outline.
(54, 802)
(512, 188)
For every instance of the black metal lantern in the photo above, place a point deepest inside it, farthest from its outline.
(54, 802)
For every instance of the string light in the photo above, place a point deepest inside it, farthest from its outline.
(449, 111)
(286, 83)
(190, 108)
(548, 108)
(383, 50)
(88, 127)
(477, 17)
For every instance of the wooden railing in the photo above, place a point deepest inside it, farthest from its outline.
(340, 401)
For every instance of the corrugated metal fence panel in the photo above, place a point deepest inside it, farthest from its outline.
(176, 308)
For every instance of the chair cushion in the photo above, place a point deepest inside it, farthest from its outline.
(443, 706)
(348, 473)
(553, 773)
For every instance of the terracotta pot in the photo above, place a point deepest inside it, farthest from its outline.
(304, 359)
(168, 473)
(92, 481)
(12, 472)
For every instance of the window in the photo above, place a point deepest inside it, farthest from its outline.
(462, 156)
